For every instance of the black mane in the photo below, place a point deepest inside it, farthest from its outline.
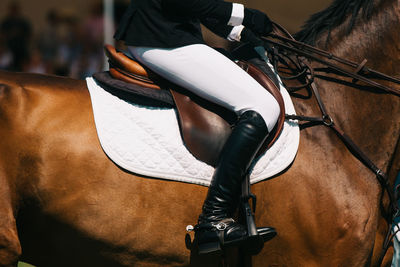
(333, 16)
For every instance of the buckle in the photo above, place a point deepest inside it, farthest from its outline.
(222, 225)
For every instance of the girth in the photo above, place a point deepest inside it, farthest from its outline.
(204, 126)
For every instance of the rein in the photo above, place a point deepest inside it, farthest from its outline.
(293, 58)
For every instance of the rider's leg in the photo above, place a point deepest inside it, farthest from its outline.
(220, 204)
(210, 75)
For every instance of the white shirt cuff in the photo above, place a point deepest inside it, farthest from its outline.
(237, 15)
(235, 33)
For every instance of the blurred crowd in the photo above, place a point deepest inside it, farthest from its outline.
(66, 45)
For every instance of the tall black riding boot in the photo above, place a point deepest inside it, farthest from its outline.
(216, 228)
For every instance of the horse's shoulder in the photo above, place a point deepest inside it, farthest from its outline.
(9, 92)
(40, 81)
(25, 96)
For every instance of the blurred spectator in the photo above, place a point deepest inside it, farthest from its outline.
(93, 25)
(86, 64)
(49, 39)
(17, 31)
(91, 58)
(66, 45)
(6, 58)
(70, 45)
(35, 64)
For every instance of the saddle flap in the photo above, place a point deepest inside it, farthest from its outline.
(205, 132)
(270, 86)
(204, 126)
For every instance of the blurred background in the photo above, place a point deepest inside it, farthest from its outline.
(66, 37)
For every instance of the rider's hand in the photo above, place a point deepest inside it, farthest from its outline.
(247, 36)
(257, 21)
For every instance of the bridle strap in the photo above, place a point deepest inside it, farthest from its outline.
(307, 51)
(315, 54)
(353, 148)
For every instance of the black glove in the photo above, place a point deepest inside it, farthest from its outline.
(247, 36)
(257, 21)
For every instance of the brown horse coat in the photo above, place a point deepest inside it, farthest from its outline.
(64, 203)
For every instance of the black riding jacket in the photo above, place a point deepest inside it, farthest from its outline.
(172, 23)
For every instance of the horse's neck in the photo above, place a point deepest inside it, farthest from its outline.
(375, 39)
(371, 119)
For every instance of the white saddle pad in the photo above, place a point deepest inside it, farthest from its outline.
(146, 141)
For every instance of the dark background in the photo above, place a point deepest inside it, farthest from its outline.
(65, 37)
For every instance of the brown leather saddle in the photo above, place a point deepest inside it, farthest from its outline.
(204, 126)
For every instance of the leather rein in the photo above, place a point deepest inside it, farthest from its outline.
(293, 58)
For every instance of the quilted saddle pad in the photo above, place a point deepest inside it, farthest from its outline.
(146, 140)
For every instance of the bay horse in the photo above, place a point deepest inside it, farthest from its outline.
(64, 203)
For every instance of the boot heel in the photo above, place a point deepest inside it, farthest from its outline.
(267, 233)
(209, 248)
(253, 245)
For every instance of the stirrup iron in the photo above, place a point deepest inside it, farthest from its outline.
(256, 236)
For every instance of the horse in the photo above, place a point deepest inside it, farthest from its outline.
(63, 202)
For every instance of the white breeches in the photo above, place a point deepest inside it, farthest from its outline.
(212, 76)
